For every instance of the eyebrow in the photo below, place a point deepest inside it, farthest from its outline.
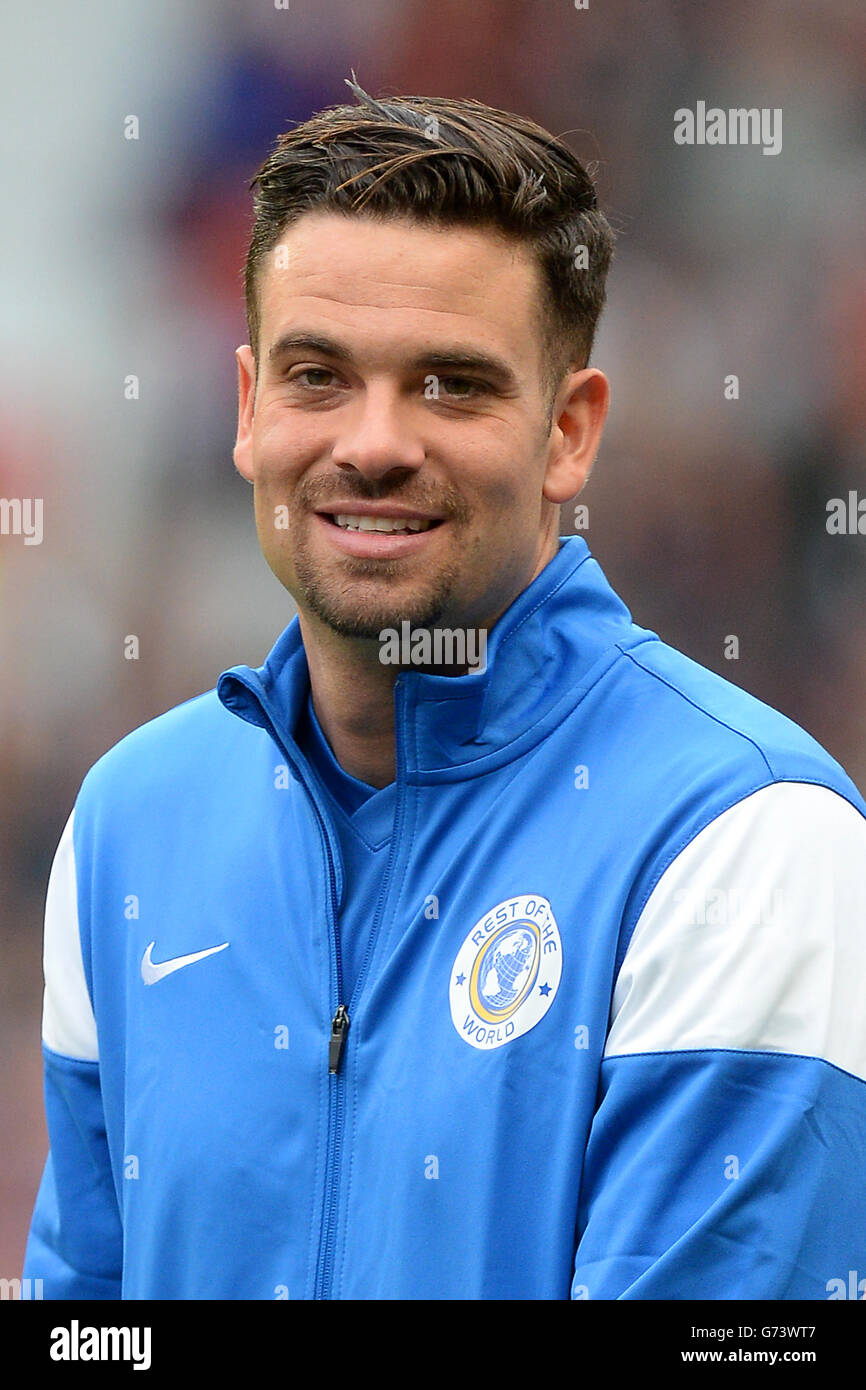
(439, 358)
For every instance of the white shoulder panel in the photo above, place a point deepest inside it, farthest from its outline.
(755, 936)
(68, 1025)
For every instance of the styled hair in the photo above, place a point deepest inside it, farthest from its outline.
(447, 162)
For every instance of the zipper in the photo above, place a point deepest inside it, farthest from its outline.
(336, 1088)
(336, 1048)
(341, 1021)
(339, 1030)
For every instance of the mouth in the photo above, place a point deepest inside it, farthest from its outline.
(378, 534)
(395, 525)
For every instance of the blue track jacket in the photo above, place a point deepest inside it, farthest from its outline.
(608, 1040)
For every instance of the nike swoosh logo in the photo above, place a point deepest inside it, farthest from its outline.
(152, 970)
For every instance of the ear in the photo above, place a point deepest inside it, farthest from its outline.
(579, 413)
(243, 451)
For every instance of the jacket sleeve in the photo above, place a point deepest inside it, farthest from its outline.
(725, 1159)
(76, 1240)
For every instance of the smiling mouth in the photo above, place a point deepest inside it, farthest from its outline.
(394, 524)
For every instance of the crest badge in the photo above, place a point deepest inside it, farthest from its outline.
(506, 973)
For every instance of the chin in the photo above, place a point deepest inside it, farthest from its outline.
(361, 606)
(353, 618)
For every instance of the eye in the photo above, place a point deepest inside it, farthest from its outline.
(448, 383)
(312, 372)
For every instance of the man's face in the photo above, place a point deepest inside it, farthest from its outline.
(400, 387)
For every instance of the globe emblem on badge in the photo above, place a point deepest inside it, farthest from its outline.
(505, 971)
(506, 974)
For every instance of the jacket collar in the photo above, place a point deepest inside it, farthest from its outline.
(545, 651)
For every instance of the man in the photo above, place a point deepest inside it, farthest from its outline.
(533, 977)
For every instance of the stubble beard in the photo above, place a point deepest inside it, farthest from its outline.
(353, 604)
(350, 594)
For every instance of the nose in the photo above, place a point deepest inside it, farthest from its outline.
(377, 435)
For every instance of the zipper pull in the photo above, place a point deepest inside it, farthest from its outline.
(339, 1029)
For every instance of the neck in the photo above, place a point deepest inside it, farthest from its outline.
(353, 696)
(353, 691)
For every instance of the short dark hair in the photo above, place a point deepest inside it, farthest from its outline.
(447, 162)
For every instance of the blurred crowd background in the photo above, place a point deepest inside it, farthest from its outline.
(124, 257)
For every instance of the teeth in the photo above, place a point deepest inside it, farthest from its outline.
(382, 523)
